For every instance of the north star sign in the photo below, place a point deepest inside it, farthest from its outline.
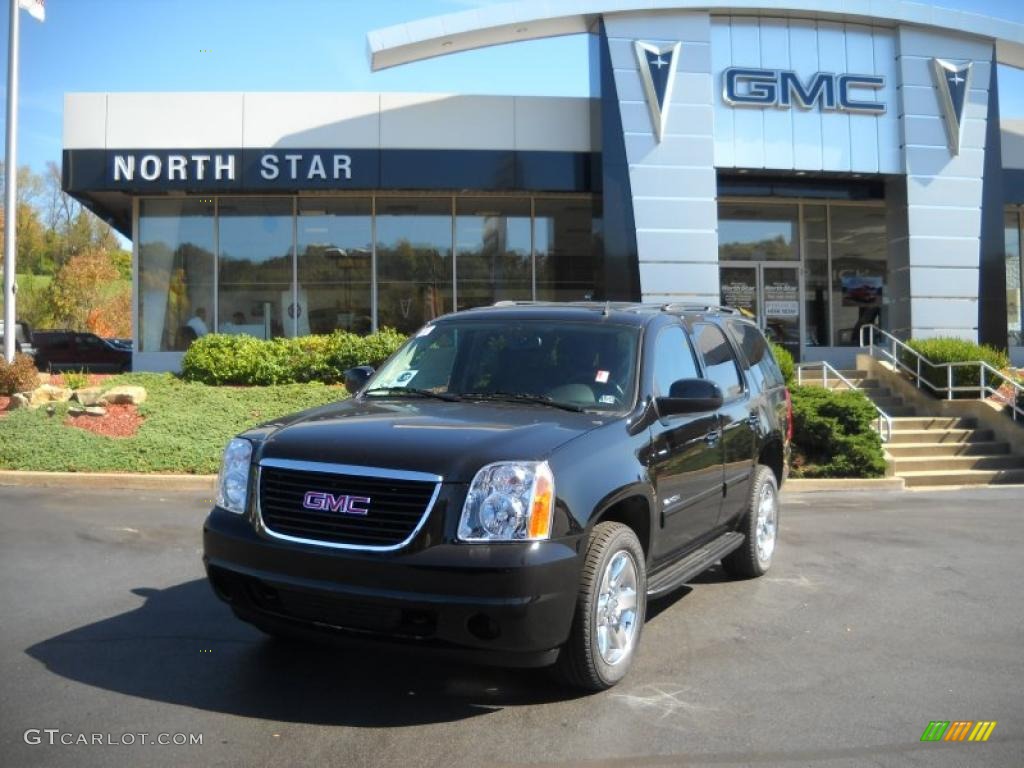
(749, 87)
(186, 166)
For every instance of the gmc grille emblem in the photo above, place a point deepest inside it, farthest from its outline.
(328, 502)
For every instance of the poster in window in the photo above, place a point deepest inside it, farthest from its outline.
(861, 290)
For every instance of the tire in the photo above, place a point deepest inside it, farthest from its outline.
(582, 663)
(751, 560)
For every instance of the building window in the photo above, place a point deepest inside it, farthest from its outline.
(255, 295)
(414, 261)
(566, 250)
(758, 232)
(176, 273)
(859, 258)
(335, 264)
(1012, 232)
(494, 253)
(816, 283)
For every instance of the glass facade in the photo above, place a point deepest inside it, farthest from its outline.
(255, 277)
(1012, 229)
(335, 264)
(834, 283)
(176, 264)
(286, 266)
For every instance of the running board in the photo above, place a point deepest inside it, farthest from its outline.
(679, 573)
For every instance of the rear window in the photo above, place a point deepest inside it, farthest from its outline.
(762, 369)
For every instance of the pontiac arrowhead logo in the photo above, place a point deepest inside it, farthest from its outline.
(953, 82)
(658, 72)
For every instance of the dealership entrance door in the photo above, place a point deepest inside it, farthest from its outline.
(770, 292)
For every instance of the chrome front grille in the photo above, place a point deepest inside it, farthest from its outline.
(392, 504)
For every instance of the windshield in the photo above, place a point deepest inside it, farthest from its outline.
(587, 365)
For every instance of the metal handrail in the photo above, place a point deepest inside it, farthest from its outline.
(984, 389)
(884, 421)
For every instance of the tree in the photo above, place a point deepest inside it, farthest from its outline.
(80, 286)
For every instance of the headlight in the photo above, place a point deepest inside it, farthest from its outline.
(509, 501)
(233, 481)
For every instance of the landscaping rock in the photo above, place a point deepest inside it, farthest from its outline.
(44, 378)
(18, 400)
(95, 410)
(88, 395)
(124, 395)
(48, 393)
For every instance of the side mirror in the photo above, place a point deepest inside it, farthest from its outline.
(356, 377)
(690, 396)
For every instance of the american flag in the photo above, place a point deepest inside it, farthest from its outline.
(35, 8)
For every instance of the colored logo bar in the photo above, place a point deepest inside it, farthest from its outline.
(958, 730)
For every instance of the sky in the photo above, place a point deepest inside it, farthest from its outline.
(289, 45)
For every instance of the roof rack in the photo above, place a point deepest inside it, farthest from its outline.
(675, 306)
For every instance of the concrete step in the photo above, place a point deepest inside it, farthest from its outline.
(899, 411)
(953, 463)
(907, 450)
(962, 477)
(934, 422)
(952, 436)
(887, 402)
(814, 377)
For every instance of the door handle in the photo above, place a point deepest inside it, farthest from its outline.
(712, 437)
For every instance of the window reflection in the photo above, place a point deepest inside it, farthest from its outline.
(493, 250)
(414, 261)
(816, 282)
(566, 250)
(748, 232)
(1013, 287)
(255, 286)
(859, 257)
(176, 263)
(335, 264)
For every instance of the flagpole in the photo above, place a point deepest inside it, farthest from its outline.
(11, 185)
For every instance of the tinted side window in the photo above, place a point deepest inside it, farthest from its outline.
(673, 359)
(720, 364)
(764, 371)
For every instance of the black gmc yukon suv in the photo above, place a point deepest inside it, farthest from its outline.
(512, 485)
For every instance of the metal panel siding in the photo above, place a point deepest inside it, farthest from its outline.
(778, 123)
(803, 46)
(860, 59)
(805, 139)
(749, 121)
(944, 191)
(673, 181)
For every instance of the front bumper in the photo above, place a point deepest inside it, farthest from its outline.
(509, 604)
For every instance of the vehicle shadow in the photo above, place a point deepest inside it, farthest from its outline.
(182, 646)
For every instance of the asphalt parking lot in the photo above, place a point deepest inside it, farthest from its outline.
(883, 612)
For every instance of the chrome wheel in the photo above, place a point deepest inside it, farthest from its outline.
(767, 523)
(617, 605)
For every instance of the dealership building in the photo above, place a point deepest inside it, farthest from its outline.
(823, 171)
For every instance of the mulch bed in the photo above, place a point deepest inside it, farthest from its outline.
(120, 421)
(4, 402)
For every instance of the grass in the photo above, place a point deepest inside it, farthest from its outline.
(186, 427)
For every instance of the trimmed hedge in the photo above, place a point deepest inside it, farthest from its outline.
(219, 358)
(785, 361)
(952, 350)
(833, 435)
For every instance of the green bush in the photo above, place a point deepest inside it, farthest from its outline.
(785, 361)
(952, 350)
(833, 435)
(75, 379)
(247, 361)
(18, 376)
